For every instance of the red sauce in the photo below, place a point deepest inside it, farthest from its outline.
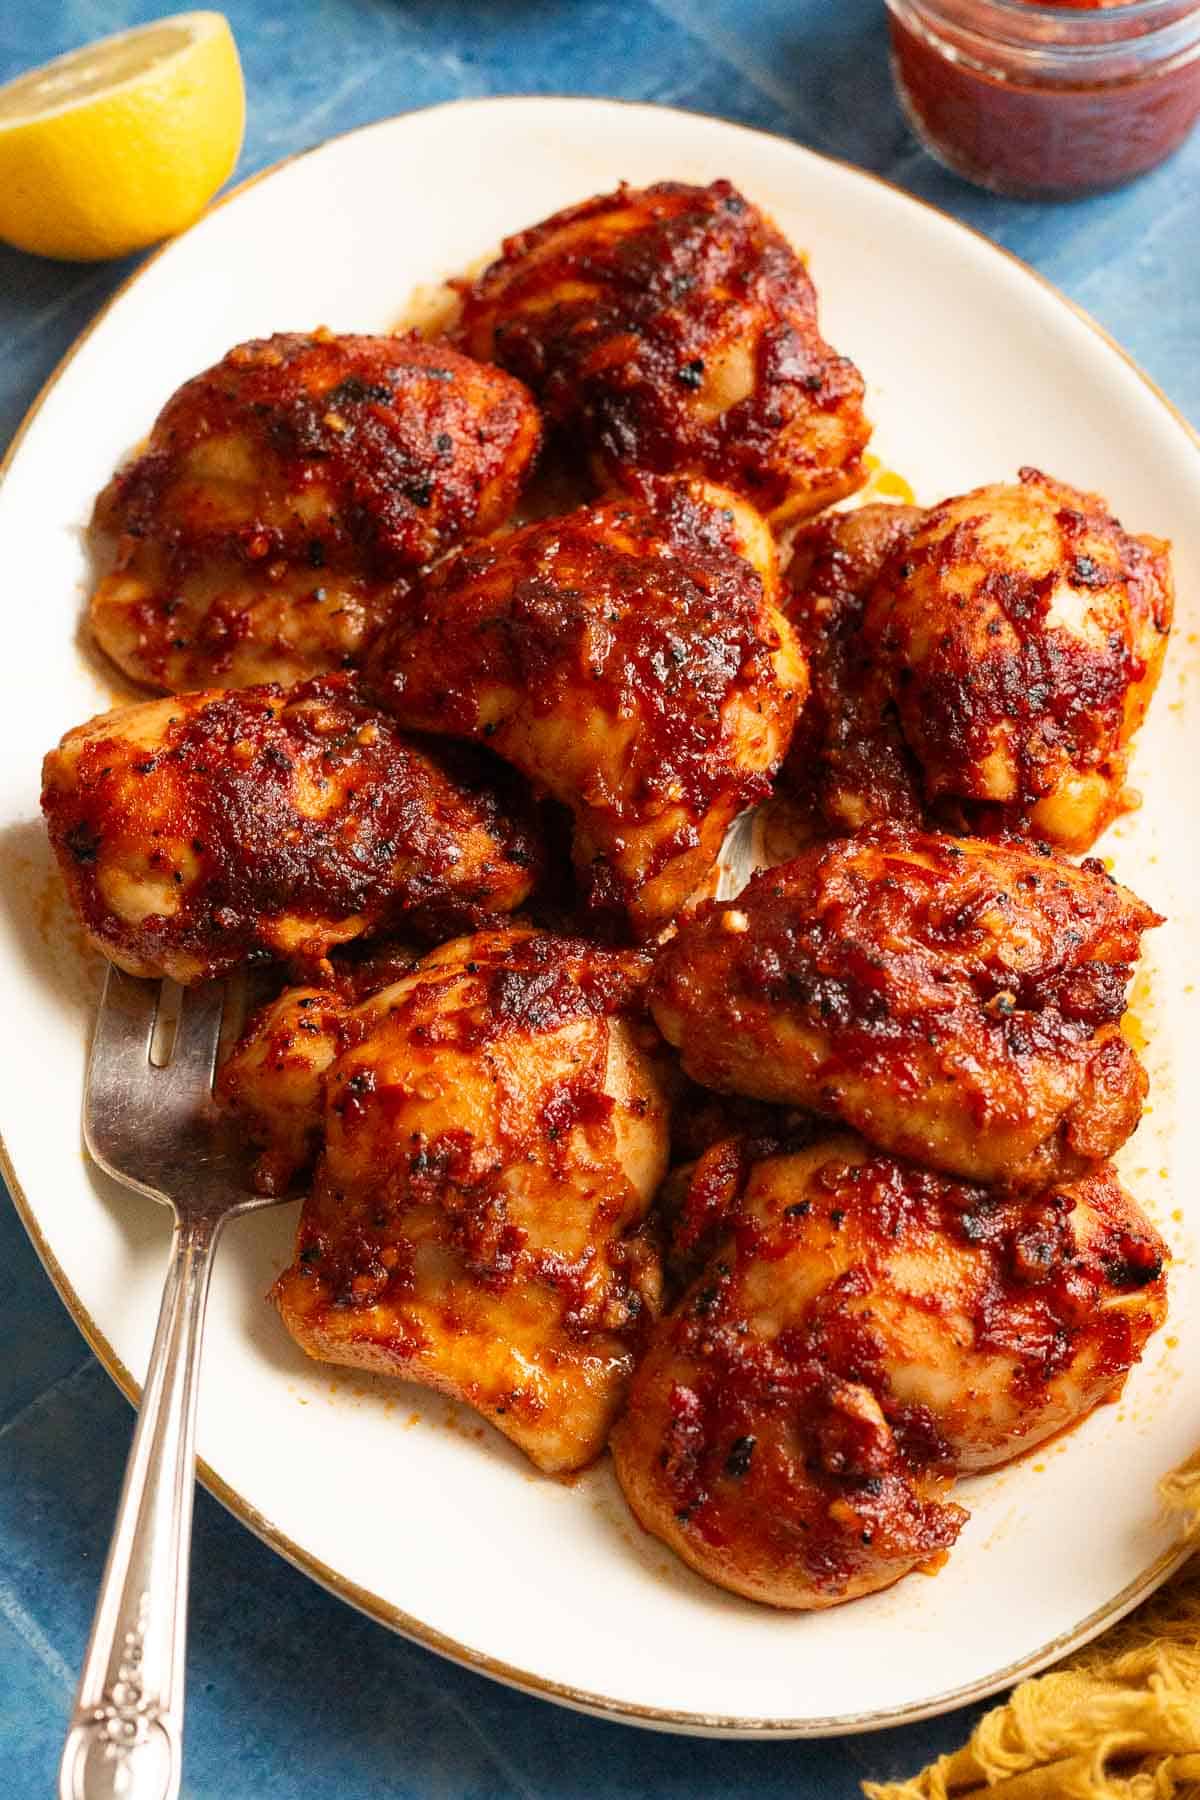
(1066, 126)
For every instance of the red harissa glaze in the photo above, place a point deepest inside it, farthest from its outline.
(1048, 100)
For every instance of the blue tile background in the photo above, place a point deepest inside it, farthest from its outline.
(290, 1693)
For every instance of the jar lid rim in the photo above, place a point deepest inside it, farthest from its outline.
(1042, 28)
(1122, 9)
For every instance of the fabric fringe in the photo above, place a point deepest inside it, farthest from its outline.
(1118, 1720)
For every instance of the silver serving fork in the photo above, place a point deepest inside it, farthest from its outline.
(153, 1126)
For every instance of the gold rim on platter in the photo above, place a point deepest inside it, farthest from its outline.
(373, 1605)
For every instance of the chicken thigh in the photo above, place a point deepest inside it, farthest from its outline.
(628, 658)
(207, 830)
(1017, 635)
(863, 1330)
(957, 1001)
(284, 495)
(494, 1132)
(673, 328)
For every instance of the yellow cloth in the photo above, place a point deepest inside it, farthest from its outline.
(1119, 1720)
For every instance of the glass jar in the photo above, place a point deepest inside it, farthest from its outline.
(1048, 98)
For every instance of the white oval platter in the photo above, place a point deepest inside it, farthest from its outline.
(404, 1505)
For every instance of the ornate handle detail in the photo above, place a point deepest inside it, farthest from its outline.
(126, 1733)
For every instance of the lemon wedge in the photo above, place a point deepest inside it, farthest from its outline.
(114, 146)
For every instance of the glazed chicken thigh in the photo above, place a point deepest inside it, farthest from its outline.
(956, 1001)
(673, 328)
(863, 1330)
(630, 660)
(285, 496)
(203, 831)
(494, 1129)
(985, 663)
(1020, 633)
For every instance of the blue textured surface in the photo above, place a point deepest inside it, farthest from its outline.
(291, 1693)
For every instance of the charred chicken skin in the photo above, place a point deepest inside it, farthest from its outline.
(863, 1331)
(986, 662)
(956, 1001)
(286, 492)
(673, 328)
(631, 661)
(494, 1130)
(203, 831)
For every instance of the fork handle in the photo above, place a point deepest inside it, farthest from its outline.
(125, 1738)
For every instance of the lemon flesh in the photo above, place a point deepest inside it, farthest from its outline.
(111, 147)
